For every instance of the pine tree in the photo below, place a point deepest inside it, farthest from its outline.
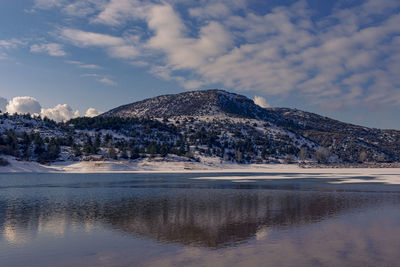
(77, 150)
(135, 153)
(112, 154)
(124, 155)
(164, 150)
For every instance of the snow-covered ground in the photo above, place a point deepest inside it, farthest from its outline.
(212, 165)
(344, 175)
(23, 166)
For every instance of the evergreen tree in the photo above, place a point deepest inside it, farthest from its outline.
(135, 153)
(77, 150)
(112, 154)
(39, 147)
(152, 149)
(124, 154)
(164, 150)
(97, 141)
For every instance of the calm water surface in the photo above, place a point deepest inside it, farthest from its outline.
(173, 220)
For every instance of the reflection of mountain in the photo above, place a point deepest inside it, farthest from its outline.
(211, 218)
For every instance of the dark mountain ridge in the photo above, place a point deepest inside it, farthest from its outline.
(351, 143)
(338, 135)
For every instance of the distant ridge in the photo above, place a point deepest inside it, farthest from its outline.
(346, 140)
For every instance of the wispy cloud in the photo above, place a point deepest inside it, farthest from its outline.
(82, 65)
(6, 45)
(53, 49)
(90, 66)
(108, 81)
(11, 43)
(104, 79)
(90, 75)
(47, 4)
(83, 38)
(83, 8)
(117, 47)
(101, 78)
(117, 12)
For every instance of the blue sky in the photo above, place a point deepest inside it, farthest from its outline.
(336, 58)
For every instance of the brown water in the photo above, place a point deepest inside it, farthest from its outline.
(172, 220)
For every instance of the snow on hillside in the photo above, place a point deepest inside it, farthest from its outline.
(197, 125)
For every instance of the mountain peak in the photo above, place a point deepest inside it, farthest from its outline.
(210, 102)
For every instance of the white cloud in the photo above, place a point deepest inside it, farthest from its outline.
(9, 44)
(100, 78)
(90, 66)
(83, 38)
(90, 75)
(92, 112)
(61, 112)
(184, 52)
(123, 51)
(3, 104)
(116, 47)
(82, 65)
(27, 104)
(284, 51)
(52, 49)
(108, 81)
(74, 62)
(83, 8)
(117, 12)
(258, 100)
(23, 105)
(212, 10)
(46, 4)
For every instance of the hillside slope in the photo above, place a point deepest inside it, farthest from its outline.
(350, 143)
(198, 125)
(344, 139)
(193, 104)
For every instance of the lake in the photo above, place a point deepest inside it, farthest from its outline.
(174, 220)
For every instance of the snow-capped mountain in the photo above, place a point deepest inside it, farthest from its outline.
(194, 125)
(195, 104)
(350, 143)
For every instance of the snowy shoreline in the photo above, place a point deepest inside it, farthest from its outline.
(208, 165)
(211, 165)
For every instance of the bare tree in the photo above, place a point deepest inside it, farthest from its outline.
(303, 154)
(239, 156)
(362, 157)
(289, 159)
(381, 158)
(322, 155)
